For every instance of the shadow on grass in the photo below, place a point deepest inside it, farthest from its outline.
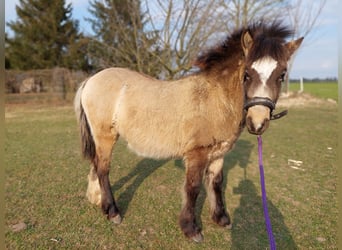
(249, 229)
(143, 170)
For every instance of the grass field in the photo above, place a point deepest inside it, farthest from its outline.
(323, 90)
(46, 181)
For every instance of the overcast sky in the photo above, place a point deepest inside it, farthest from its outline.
(318, 57)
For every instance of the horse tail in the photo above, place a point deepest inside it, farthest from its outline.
(87, 140)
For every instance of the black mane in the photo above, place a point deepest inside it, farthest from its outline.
(267, 41)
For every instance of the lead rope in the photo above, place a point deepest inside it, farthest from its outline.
(264, 198)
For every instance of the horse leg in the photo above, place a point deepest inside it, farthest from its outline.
(93, 191)
(102, 159)
(195, 164)
(214, 180)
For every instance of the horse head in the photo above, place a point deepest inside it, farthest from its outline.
(266, 58)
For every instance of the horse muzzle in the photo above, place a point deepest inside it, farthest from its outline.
(259, 112)
(258, 119)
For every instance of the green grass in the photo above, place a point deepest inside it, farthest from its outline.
(323, 90)
(46, 182)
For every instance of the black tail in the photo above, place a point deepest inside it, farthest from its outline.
(87, 140)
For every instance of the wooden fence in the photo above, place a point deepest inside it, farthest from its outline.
(47, 85)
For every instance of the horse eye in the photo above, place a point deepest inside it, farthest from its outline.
(246, 77)
(282, 76)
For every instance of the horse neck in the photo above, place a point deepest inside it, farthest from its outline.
(219, 94)
(229, 80)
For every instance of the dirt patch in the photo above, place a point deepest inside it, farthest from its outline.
(294, 99)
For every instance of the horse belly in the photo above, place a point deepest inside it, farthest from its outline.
(152, 142)
(149, 132)
(156, 151)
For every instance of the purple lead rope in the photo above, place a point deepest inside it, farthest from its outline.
(264, 199)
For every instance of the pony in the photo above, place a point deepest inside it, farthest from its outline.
(197, 118)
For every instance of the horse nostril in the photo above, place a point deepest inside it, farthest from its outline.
(262, 127)
(256, 128)
(259, 127)
(249, 123)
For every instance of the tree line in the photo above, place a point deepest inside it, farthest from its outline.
(317, 80)
(157, 37)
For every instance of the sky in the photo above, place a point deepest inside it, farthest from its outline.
(317, 56)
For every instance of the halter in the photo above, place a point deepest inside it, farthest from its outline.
(267, 102)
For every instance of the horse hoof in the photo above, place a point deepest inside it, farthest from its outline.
(198, 238)
(229, 226)
(116, 219)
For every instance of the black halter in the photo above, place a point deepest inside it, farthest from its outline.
(267, 102)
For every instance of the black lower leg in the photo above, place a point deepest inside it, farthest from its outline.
(187, 220)
(108, 204)
(195, 163)
(219, 214)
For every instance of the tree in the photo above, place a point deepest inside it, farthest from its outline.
(183, 30)
(241, 12)
(7, 61)
(159, 38)
(121, 38)
(45, 36)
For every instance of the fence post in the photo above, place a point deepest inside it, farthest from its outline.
(301, 85)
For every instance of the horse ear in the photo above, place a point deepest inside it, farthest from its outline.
(293, 45)
(246, 42)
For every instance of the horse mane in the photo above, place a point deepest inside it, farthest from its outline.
(267, 40)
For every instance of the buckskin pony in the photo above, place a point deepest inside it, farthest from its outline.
(197, 118)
